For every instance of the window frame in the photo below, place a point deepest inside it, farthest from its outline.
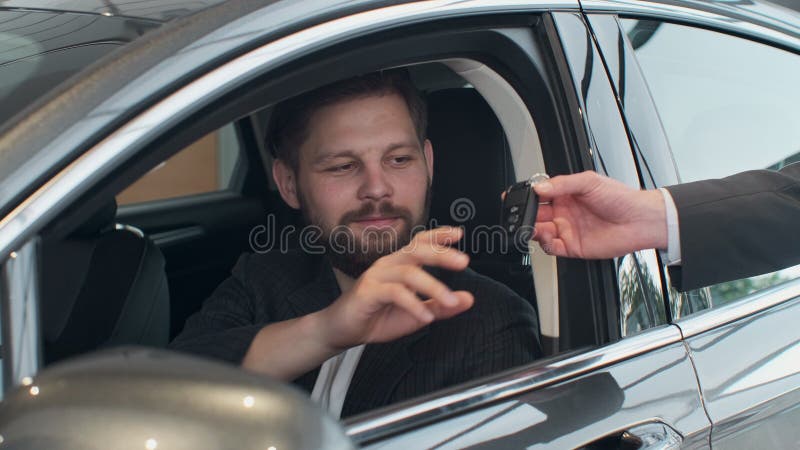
(702, 317)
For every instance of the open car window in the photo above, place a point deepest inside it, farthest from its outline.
(484, 140)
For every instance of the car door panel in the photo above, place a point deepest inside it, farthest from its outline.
(746, 355)
(591, 403)
(749, 372)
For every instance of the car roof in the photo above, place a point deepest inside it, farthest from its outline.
(155, 10)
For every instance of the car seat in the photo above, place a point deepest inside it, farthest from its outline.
(472, 166)
(103, 285)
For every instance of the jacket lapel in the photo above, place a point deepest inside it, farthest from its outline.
(381, 368)
(317, 294)
(312, 297)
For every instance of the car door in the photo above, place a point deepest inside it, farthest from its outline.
(638, 390)
(605, 383)
(716, 98)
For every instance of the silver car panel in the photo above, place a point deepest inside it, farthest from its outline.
(567, 403)
(712, 319)
(20, 311)
(749, 372)
(136, 398)
(411, 414)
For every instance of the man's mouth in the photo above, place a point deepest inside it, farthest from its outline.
(376, 221)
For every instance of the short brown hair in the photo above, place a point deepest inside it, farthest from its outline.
(288, 125)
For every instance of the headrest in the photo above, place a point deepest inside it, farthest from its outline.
(472, 161)
(101, 220)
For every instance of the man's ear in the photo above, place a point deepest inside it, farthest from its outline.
(286, 180)
(427, 150)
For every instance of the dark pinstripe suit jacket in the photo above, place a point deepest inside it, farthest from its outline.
(499, 332)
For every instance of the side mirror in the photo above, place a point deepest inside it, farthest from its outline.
(148, 399)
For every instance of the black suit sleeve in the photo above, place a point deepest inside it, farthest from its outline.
(226, 324)
(737, 227)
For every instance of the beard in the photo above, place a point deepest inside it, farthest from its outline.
(354, 251)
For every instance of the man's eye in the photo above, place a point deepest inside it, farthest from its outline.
(341, 168)
(400, 160)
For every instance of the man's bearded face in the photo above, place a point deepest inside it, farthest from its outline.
(353, 249)
(364, 179)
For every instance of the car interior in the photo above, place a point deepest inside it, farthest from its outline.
(131, 273)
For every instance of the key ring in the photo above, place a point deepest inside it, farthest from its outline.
(538, 178)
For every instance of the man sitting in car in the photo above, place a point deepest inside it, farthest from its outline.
(389, 311)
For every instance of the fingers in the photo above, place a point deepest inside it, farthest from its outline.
(551, 238)
(465, 302)
(431, 255)
(544, 230)
(575, 184)
(554, 247)
(424, 311)
(418, 280)
(431, 248)
(439, 236)
(545, 213)
(405, 299)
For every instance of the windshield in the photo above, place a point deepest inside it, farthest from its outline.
(39, 50)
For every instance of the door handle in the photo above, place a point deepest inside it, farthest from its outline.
(647, 436)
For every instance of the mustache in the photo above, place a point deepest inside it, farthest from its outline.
(384, 209)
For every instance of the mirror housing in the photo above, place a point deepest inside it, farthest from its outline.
(150, 399)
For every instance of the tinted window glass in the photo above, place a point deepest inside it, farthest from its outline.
(23, 81)
(727, 105)
(41, 49)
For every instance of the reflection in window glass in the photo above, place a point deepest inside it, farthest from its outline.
(727, 105)
(641, 302)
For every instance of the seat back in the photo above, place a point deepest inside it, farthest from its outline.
(102, 286)
(472, 166)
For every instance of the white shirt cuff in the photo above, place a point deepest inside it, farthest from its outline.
(672, 256)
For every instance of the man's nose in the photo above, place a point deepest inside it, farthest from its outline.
(375, 184)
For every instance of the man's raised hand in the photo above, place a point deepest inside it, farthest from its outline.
(383, 303)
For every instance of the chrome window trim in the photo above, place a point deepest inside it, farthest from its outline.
(689, 15)
(20, 310)
(716, 317)
(64, 187)
(395, 419)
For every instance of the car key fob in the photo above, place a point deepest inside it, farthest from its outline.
(519, 209)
